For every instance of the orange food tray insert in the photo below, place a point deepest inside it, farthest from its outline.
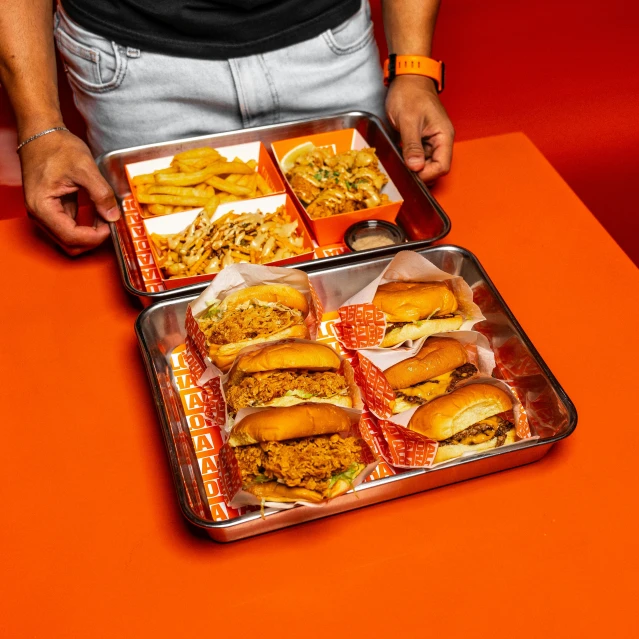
(330, 230)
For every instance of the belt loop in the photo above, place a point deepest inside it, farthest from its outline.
(132, 53)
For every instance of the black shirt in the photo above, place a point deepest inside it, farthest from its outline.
(211, 29)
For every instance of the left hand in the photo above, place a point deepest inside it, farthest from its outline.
(414, 109)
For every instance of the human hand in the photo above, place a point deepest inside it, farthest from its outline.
(54, 168)
(414, 109)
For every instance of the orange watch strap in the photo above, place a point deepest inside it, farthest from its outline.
(414, 65)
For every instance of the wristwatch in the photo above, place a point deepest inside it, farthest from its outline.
(414, 65)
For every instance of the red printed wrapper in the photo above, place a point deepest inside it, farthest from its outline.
(408, 449)
(231, 480)
(345, 369)
(362, 325)
(376, 390)
(234, 278)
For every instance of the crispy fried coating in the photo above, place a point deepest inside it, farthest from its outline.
(310, 462)
(247, 321)
(263, 387)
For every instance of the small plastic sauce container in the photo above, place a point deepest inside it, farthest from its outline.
(372, 234)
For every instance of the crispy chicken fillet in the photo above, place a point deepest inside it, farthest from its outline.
(239, 324)
(310, 462)
(264, 387)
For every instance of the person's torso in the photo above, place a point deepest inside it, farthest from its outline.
(214, 29)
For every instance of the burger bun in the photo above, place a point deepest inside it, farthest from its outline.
(446, 416)
(280, 424)
(437, 356)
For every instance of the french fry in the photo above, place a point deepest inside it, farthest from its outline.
(169, 169)
(237, 166)
(158, 209)
(204, 151)
(180, 191)
(187, 168)
(252, 164)
(251, 183)
(223, 185)
(211, 206)
(262, 185)
(192, 165)
(187, 179)
(243, 181)
(174, 200)
(147, 178)
(227, 197)
(234, 178)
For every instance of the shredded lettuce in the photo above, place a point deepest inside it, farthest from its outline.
(213, 311)
(348, 475)
(299, 393)
(261, 479)
(434, 313)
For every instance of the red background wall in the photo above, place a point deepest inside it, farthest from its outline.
(566, 73)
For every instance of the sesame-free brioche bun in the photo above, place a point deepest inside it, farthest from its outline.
(437, 356)
(280, 424)
(275, 491)
(444, 453)
(448, 415)
(273, 293)
(423, 328)
(286, 355)
(224, 355)
(413, 301)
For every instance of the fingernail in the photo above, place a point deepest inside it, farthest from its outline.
(113, 214)
(414, 163)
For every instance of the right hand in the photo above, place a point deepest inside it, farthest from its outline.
(54, 168)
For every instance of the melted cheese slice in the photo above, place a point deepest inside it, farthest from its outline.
(492, 424)
(429, 390)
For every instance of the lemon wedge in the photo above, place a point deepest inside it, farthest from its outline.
(288, 161)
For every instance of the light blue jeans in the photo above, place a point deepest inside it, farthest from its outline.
(130, 96)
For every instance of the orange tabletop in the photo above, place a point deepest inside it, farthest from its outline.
(94, 545)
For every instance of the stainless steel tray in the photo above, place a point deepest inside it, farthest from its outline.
(420, 216)
(160, 329)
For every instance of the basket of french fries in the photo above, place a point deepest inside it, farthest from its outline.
(192, 246)
(203, 178)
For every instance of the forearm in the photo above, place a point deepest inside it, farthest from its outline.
(409, 25)
(27, 64)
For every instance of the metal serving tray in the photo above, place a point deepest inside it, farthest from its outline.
(160, 329)
(420, 216)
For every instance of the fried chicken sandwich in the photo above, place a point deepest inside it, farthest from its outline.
(470, 419)
(252, 315)
(416, 309)
(287, 373)
(440, 366)
(300, 453)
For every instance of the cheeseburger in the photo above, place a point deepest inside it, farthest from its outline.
(301, 453)
(252, 315)
(468, 420)
(439, 367)
(416, 309)
(288, 373)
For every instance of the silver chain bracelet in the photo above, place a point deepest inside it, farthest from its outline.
(39, 135)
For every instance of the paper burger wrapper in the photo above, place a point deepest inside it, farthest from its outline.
(397, 445)
(362, 325)
(231, 477)
(234, 278)
(377, 392)
(346, 369)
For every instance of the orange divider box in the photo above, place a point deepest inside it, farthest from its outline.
(177, 222)
(250, 151)
(330, 230)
